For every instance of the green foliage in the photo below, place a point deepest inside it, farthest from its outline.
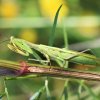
(65, 93)
(52, 35)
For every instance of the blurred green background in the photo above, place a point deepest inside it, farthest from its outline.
(32, 20)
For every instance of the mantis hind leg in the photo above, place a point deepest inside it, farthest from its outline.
(73, 56)
(65, 65)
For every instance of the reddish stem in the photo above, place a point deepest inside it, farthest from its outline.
(24, 68)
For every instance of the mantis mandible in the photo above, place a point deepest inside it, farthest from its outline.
(25, 48)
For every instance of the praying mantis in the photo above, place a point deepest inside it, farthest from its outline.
(61, 55)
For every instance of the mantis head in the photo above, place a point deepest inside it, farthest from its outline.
(19, 46)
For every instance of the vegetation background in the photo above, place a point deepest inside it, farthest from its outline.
(32, 20)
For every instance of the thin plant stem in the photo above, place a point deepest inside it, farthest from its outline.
(52, 71)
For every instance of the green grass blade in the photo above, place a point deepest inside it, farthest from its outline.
(64, 95)
(65, 43)
(65, 37)
(91, 92)
(80, 86)
(47, 90)
(81, 82)
(6, 90)
(65, 90)
(52, 35)
(38, 94)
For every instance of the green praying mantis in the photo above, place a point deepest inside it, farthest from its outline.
(61, 55)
